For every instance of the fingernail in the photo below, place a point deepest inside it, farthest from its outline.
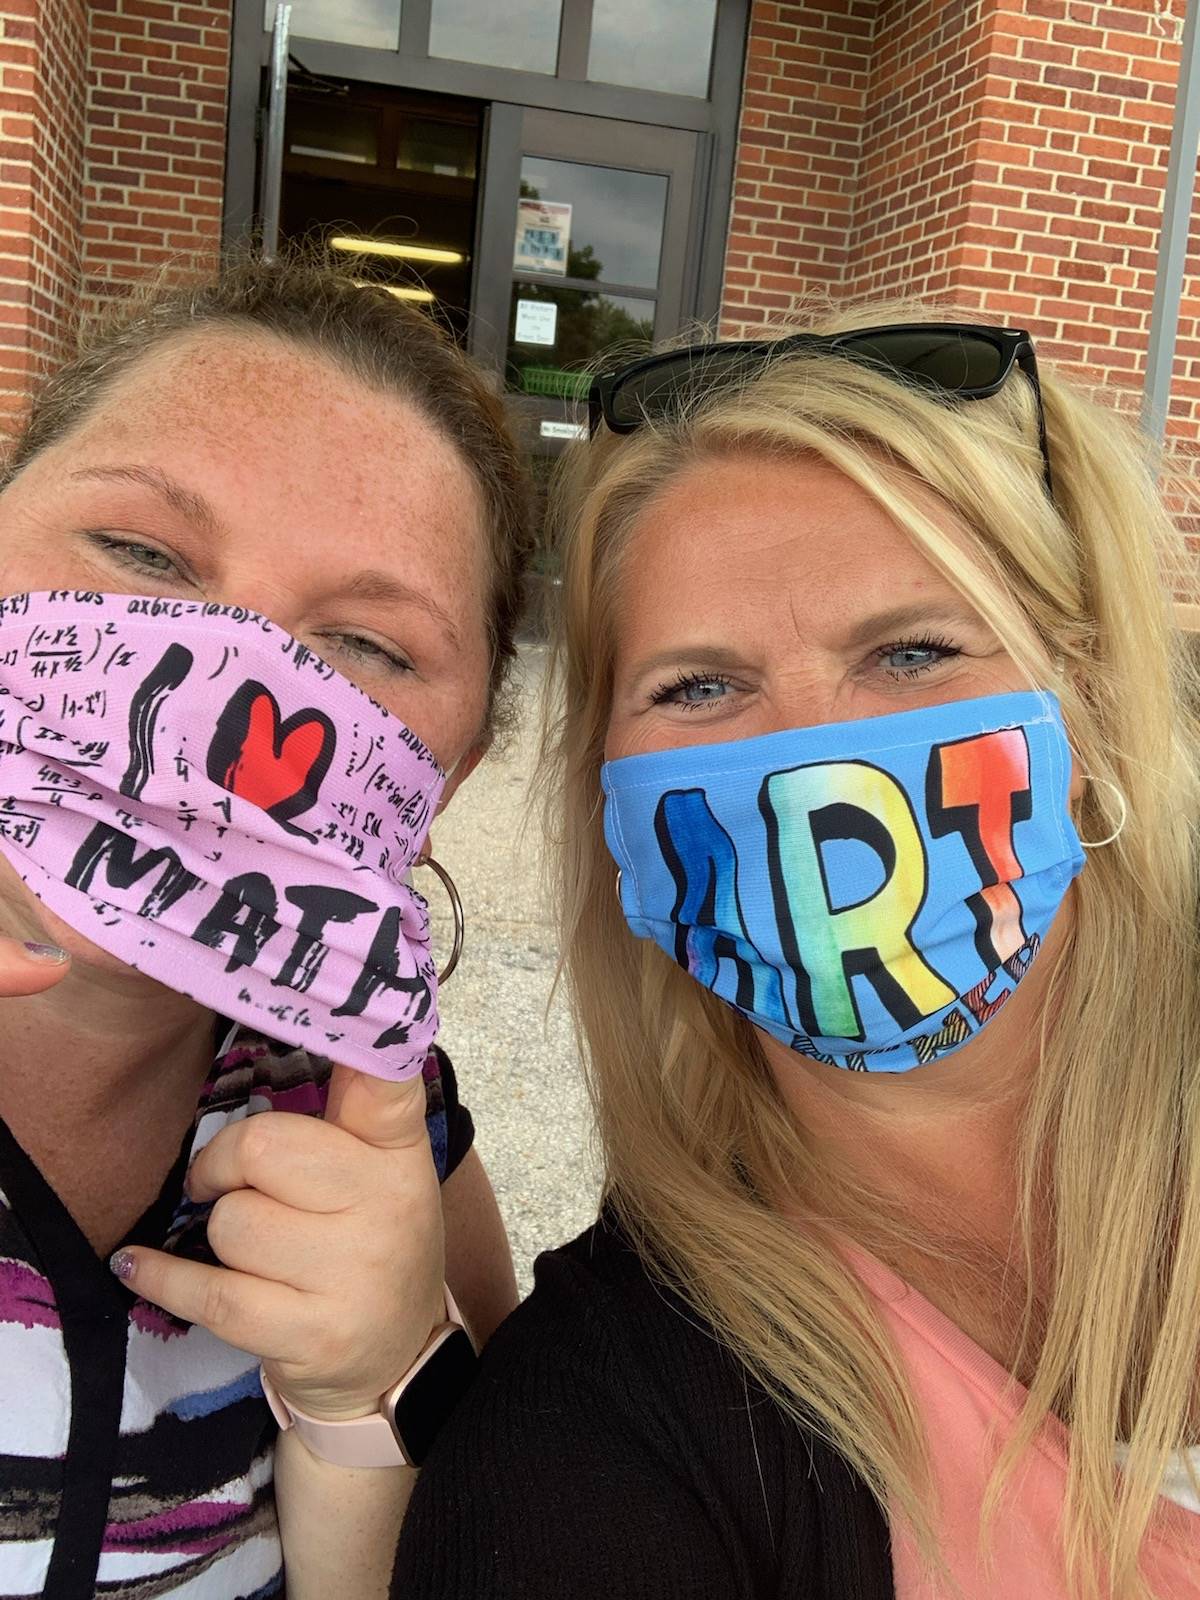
(46, 952)
(121, 1265)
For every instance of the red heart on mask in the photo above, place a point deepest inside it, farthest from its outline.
(277, 765)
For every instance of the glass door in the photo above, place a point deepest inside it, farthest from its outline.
(585, 229)
(384, 180)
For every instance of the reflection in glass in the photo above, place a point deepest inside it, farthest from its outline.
(616, 217)
(520, 33)
(586, 325)
(653, 44)
(375, 23)
(428, 144)
(332, 130)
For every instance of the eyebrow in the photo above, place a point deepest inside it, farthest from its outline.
(369, 585)
(377, 587)
(896, 621)
(704, 655)
(186, 502)
(921, 614)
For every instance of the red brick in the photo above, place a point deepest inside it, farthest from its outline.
(84, 168)
(1007, 157)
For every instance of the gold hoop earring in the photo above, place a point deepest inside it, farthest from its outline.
(456, 906)
(1098, 844)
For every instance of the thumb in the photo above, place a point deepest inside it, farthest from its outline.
(29, 968)
(380, 1112)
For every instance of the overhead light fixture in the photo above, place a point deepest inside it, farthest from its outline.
(424, 296)
(385, 247)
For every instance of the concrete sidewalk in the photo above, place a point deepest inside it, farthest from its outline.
(516, 1061)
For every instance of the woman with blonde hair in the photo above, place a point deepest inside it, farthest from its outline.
(876, 771)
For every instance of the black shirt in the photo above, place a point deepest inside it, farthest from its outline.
(611, 1449)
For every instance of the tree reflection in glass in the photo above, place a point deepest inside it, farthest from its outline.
(589, 323)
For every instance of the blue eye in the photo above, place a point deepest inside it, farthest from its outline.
(691, 690)
(908, 658)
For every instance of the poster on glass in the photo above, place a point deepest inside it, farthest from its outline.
(543, 237)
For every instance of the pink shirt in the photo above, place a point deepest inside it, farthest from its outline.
(962, 1394)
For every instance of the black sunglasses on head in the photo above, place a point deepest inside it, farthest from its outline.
(961, 360)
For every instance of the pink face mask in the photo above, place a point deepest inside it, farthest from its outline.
(193, 790)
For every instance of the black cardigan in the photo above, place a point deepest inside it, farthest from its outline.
(611, 1449)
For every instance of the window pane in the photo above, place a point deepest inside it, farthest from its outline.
(332, 130)
(653, 44)
(371, 22)
(431, 145)
(616, 217)
(548, 346)
(520, 33)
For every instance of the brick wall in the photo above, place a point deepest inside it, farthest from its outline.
(158, 73)
(112, 151)
(42, 51)
(799, 145)
(1009, 155)
(1002, 153)
(1070, 167)
(913, 200)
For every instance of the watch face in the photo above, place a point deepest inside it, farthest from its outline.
(432, 1393)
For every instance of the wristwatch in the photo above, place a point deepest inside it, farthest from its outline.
(410, 1414)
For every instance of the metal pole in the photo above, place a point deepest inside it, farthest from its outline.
(272, 169)
(1173, 241)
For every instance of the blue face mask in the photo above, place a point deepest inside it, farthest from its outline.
(868, 892)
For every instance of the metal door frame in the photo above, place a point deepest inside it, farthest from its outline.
(520, 131)
(510, 92)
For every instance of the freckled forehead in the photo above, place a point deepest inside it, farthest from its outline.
(290, 452)
(291, 412)
(202, 379)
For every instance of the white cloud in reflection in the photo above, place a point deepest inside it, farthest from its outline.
(620, 214)
(374, 23)
(653, 44)
(516, 33)
(645, 44)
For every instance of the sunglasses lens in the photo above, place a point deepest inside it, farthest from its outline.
(951, 361)
(674, 384)
(954, 361)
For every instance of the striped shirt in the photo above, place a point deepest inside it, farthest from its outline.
(136, 1450)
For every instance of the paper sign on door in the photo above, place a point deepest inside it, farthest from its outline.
(543, 237)
(537, 321)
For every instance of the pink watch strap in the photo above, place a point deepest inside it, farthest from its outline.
(368, 1441)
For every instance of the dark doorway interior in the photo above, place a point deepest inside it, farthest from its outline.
(387, 180)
